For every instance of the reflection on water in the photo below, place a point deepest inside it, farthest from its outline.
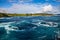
(30, 28)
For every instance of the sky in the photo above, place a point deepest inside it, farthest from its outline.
(30, 6)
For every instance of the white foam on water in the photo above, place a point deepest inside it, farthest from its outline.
(6, 26)
(2, 18)
(48, 24)
(42, 37)
(34, 27)
(6, 18)
(58, 33)
(9, 28)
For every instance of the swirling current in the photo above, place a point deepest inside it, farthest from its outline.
(29, 28)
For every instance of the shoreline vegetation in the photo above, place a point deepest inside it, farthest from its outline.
(15, 14)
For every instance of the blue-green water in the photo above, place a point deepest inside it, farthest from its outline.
(27, 30)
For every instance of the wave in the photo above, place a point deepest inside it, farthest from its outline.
(31, 28)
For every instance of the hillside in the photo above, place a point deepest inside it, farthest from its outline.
(3, 15)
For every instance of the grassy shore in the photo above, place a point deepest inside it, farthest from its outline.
(36, 14)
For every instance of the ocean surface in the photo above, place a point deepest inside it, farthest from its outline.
(29, 28)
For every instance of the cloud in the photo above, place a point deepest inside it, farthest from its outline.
(23, 8)
(47, 8)
(31, 8)
(20, 1)
(26, 0)
(12, 0)
(57, 0)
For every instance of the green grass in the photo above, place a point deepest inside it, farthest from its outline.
(36, 14)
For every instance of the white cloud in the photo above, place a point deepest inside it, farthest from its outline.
(21, 1)
(11, 0)
(26, 0)
(23, 8)
(47, 8)
(30, 8)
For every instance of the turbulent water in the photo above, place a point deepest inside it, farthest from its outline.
(28, 28)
